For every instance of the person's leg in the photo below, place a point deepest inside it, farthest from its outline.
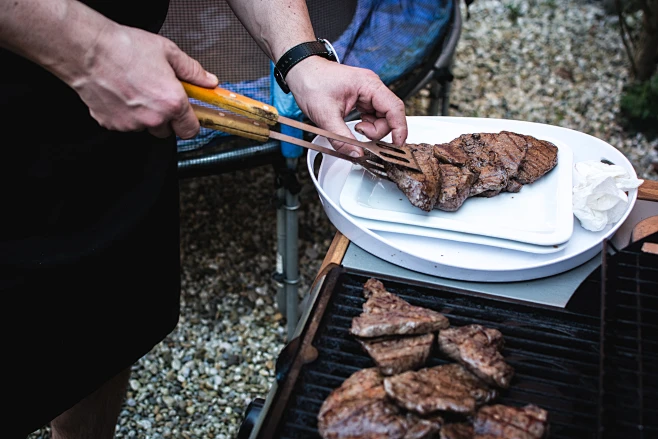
(96, 415)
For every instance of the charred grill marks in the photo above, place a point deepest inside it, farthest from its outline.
(478, 349)
(479, 164)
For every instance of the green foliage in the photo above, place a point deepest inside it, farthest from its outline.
(639, 105)
(513, 11)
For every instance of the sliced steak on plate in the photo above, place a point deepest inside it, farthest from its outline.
(500, 421)
(449, 387)
(394, 355)
(476, 152)
(387, 314)
(421, 188)
(540, 158)
(455, 188)
(360, 409)
(478, 349)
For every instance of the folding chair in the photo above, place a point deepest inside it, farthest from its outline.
(409, 43)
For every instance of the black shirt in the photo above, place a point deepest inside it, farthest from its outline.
(68, 186)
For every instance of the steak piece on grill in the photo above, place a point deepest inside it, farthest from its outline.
(456, 185)
(457, 431)
(394, 355)
(421, 188)
(500, 421)
(540, 158)
(387, 314)
(478, 349)
(449, 387)
(360, 409)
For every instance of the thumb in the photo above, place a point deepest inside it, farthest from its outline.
(190, 70)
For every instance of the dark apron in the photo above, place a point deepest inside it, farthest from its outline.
(89, 239)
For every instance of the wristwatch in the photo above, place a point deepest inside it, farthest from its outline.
(320, 47)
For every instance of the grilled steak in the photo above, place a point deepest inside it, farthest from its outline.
(398, 354)
(477, 152)
(456, 185)
(387, 314)
(360, 409)
(457, 431)
(540, 158)
(422, 428)
(500, 421)
(421, 188)
(449, 387)
(478, 349)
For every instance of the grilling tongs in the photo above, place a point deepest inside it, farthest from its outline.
(260, 116)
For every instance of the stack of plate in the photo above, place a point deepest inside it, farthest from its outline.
(509, 237)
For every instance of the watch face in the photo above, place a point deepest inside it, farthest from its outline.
(329, 48)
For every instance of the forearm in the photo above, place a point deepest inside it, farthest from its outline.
(276, 25)
(59, 35)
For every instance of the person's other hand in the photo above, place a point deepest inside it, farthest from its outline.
(131, 82)
(327, 92)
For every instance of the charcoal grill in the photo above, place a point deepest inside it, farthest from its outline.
(592, 365)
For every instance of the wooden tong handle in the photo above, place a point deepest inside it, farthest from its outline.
(234, 102)
(218, 120)
(648, 191)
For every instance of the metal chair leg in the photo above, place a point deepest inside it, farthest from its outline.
(279, 274)
(286, 276)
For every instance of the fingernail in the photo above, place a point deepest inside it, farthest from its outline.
(354, 154)
(212, 77)
(358, 130)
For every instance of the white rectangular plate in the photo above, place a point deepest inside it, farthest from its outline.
(540, 214)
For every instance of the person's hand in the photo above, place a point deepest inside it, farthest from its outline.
(131, 82)
(327, 92)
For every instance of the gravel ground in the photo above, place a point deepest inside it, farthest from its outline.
(551, 61)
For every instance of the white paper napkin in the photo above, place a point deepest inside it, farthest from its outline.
(599, 196)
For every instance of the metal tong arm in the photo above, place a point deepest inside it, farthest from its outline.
(256, 130)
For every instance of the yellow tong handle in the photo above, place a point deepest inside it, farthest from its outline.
(234, 102)
(231, 124)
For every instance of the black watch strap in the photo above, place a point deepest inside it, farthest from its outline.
(298, 53)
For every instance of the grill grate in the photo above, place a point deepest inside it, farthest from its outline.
(555, 353)
(629, 399)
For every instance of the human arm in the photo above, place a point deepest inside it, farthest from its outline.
(129, 78)
(324, 90)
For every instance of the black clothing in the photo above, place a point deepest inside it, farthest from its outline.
(89, 237)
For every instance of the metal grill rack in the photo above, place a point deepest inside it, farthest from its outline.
(555, 353)
(629, 328)
(592, 365)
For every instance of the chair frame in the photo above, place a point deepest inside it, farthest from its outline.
(226, 154)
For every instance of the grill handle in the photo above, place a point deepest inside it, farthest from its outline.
(250, 418)
(285, 359)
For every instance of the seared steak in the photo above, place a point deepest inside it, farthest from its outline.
(422, 428)
(500, 421)
(421, 188)
(478, 349)
(398, 354)
(456, 185)
(457, 431)
(449, 387)
(540, 158)
(478, 164)
(360, 409)
(477, 152)
(387, 314)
